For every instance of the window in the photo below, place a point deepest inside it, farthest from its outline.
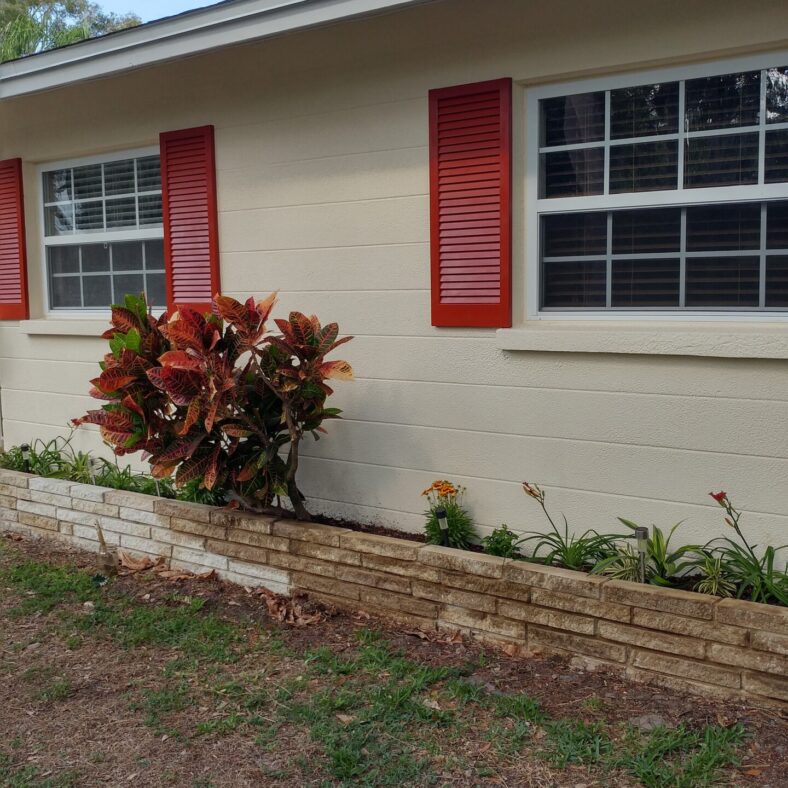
(103, 232)
(665, 194)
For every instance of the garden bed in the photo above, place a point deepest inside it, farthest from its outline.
(677, 639)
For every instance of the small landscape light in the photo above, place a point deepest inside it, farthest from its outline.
(92, 465)
(641, 535)
(444, 525)
(25, 449)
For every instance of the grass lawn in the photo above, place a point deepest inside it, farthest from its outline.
(150, 682)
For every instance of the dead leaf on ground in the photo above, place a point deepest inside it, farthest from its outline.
(287, 610)
(345, 719)
(133, 565)
(13, 536)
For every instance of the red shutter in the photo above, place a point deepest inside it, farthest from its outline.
(470, 204)
(191, 236)
(13, 261)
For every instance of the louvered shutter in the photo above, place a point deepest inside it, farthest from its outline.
(13, 262)
(470, 204)
(191, 238)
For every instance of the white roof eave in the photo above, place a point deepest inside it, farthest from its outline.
(186, 34)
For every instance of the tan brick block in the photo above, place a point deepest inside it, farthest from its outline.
(476, 619)
(82, 518)
(34, 507)
(15, 478)
(668, 600)
(461, 561)
(89, 533)
(8, 515)
(268, 541)
(409, 620)
(148, 546)
(775, 687)
(554, 579)
(575, 644)
(168, 536)
(301, 563)
(583, 605)
(327, 585)
(692, 627)
(646, 638)
(10, 489)
(88, 492)
(546, 617)
(365, 577)
(325, 553)
(680, 685)
(67, 529)
(395, 566)
(768, 641)
(271, 578)
(8, 501)
(388, 600)
(125, 527)
(685, 668)
(483, 585)
(44, 496)
(387, 546)
(131, 500)
(148, 518)
(189, 526)
(185, 510)
(244, 552)
(454, 596)
(94, 507)
(199, 557)
(56, 486)
(231, 519)
(38, 521)
(749, 658)
(753, 615)
(309, 532)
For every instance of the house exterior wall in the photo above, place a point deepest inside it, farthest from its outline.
(322, 171)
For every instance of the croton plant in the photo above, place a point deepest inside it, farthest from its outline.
(217, 397)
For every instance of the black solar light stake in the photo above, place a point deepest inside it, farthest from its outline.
(444, 524)
(641, 535)
(25, 449)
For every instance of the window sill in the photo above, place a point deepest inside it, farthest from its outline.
(72, 327)
(723, 340)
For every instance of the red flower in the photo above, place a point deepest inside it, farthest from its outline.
(719, 497)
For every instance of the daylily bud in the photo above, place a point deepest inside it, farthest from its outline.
(720, 497)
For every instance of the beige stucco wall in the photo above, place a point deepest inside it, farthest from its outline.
(322, 175)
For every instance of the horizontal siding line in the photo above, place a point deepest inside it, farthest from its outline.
(315, 204)
(563, 439)
(547, 487)
(364, 505)
(318, 248)
(307, 159)
(614, 392)
(48, 393)
(66, 426)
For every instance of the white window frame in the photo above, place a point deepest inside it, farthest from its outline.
(536, 206)
(111, 236)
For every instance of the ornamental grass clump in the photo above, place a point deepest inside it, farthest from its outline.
(444, 495)
(218, 398)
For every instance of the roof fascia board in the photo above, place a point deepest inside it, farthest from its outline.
(187, 34)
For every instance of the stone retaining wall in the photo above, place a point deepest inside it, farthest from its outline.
(678, 639)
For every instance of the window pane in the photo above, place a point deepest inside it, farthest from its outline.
(154, 255)
(57, 186)
(154, 289)
(645, 283)
(574, 234)
(128, 284)
(87, 181)
(63, 259)
(644, 167)
(65, 291)
(777, 95)
(648, 109)
(723, 101)
(776, 156)
(567, 120)
(573, 173)
(97, 291)
(712, 228)
(721, 161)
(127, 256)
(59, 219)
(150, 210)
(95, 257)
(121, 212)
(579, 283)
(777, 225)
(647, 231)
(723, 281)
(119, 177)
(148, 174)
(89, 215)
(777, 280)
